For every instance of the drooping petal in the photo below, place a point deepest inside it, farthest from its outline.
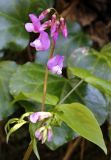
(42, 43)
(63, 27)
(53, 25)
(55, 64)
(55, 36)
(44, 14)
(38, 134)
(49, 134)
(36, 22)
(29, 27)
(55, 31)
(46, 24)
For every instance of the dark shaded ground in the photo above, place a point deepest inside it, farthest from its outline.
(83, 151)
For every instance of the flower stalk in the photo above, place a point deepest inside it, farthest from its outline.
(46, 77)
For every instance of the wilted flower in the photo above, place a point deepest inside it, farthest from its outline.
(39, 116)
(44, 133)
(55, 64)
(42, 42)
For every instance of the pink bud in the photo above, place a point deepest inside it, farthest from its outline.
(63, 27)
(44, 14)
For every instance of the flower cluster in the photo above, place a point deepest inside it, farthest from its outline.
(42, 42)
(54, 64)
(45, 131)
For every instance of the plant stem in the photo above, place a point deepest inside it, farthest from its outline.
(72, 146)
(28, 152)
(72, 90)
(46, 77)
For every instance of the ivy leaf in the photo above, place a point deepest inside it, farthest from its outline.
(93, 66)
(7, 68)
(50, 99)
(101, 84)
(13, 16)
(81, 120)
(26, 81)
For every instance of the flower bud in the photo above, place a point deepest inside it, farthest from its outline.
(44, 14)
(63, 27)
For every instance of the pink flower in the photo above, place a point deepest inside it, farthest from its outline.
(55, 64)
(44, 14)
(42, 42)
(63, 27)
(35, 26)
(44, 133)
(56, 26)
(39, 116)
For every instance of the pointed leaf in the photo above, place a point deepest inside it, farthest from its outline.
(80, 119)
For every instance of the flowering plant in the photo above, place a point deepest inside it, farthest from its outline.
(76, 116)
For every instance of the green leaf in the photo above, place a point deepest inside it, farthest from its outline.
(97, 63)
(34, 143)
(61, 135)
(13, 16)
(26, 81)
(15, 128)
(29, 78)
(81, 120)
(7, 68)
(101, 84)
(93, 99)
(50, 99)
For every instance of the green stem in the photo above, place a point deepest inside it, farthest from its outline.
(46, 77)
(72, 90)
(28, 152)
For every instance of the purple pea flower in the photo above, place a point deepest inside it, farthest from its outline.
(56, 26)
(35, 26)
(55, 64)
(42, 42)
(44, 133)
(39, 116)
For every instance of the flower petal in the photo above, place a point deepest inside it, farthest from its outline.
(63, 27)
(39, 116)
(36, 22)
(42, 43)
(49, 134)
(29, 27)
(55, 64)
